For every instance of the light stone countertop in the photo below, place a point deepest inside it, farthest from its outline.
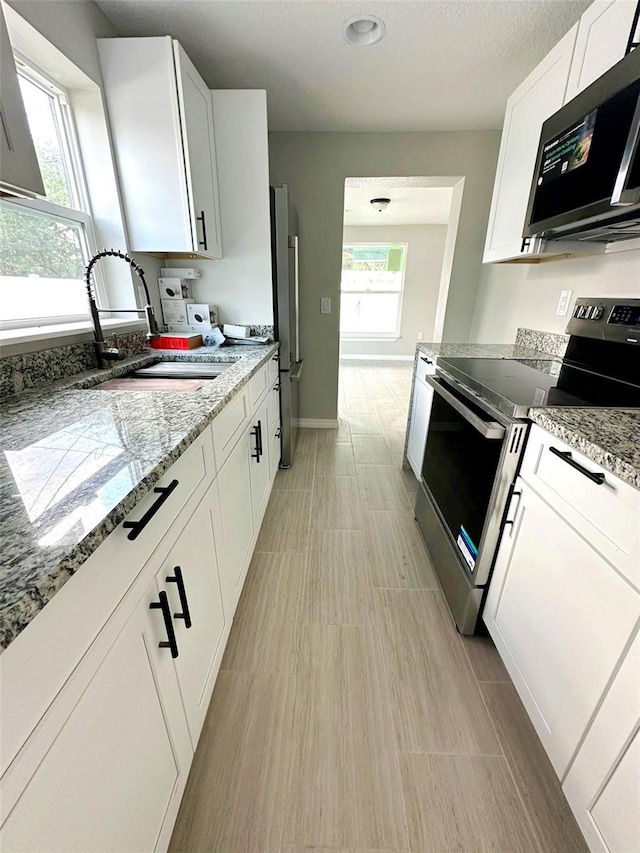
(76, 461)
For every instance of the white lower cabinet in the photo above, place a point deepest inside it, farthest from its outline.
(260, 467)
(113, 777)
(603, 784)
(420, 413)
(561, 617)
(189, 576)
(274, 428)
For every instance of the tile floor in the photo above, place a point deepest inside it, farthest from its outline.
(348, 714)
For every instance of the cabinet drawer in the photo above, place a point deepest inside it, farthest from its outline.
(273, 368)
(229, 425)
(425, 366)
(607, 515)
(258, 384)
(40, 660)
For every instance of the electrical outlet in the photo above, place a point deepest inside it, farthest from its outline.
(420, 336)
(563, 303)
(325, 305)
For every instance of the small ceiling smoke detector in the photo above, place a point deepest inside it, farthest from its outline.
(362, 31)
(380, 204)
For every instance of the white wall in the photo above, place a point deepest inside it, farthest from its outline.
(513, 295)
(240, 282)
(421, 284)
(315, 166)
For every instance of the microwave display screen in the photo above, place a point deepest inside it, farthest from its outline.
(578, 165)
(568, 151)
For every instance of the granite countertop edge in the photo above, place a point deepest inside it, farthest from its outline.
(16, 612)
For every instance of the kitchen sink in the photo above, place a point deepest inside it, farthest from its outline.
(167, 376)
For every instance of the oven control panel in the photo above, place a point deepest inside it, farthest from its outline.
(607, 319)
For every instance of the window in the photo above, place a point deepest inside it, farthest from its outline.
(45, 243)
(371, 289)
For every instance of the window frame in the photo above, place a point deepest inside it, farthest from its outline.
(378, 336)
(78, 215)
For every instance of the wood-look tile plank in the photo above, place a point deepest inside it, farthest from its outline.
(484, 658)
(335, 460)
(381, 488)
(411, 485)
(263, 637)
(337, 586)
(540, 789)
(233, 799)
(341, 435)
(395, 438)
(372, 450)
(336, 504)
(463, 804)
(286, 522)
(436, 704)
(397, 555)
(300, 476)
(364, 425)
(306, 441)
(343, 787)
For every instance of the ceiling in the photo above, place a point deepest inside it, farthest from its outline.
(416, 202)
(442, 65)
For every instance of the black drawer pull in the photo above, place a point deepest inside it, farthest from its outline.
(278, 432)
(426, 360)
(202, 242)
(276, 387)
(565, 455)
(163, 604)
(138, 526)
(256, 453)
(177, 578)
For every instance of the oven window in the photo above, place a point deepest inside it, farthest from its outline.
(459, 469)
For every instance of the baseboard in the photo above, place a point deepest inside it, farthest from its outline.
(317, 423)
(378, 357)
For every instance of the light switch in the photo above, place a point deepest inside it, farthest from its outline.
(563, 303)
(325, 305)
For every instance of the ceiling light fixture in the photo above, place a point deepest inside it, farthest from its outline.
(380, 204)
(363, 31)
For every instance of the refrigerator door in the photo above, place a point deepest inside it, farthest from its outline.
(284, 222)
(289, 393)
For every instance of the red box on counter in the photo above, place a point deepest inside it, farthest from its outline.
(177, 340)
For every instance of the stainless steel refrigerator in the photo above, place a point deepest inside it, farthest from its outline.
(284, 253)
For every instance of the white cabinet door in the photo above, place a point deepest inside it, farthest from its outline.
(19, 169)
(603, 33)
(258, 437)
(234, 483)
(274, 425)
(162, 132)
(538, 97)
(560, 616)
(196, 114)
(420, 412)
(603, 785)
(114, 775)
(189, 576)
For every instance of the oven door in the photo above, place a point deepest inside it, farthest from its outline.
(461, 463)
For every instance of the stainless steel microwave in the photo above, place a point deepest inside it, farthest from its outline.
(586, 182)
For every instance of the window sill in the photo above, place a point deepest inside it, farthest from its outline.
(60, 334)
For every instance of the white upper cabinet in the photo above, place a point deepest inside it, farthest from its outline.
(537, 98)
(603, 35)
(161, 123)
(19, 169)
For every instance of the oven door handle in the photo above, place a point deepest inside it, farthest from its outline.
(488, 429)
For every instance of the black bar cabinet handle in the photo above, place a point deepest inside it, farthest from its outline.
(426, 360)
(202, 242)
(137, 527)
(260, 448)
(177, 578)
(256, 454)
(565, 455)
(278, 432)
(276, 387)
(163, 604)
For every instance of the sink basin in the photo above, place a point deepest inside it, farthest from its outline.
(183, 370)
(151, 383)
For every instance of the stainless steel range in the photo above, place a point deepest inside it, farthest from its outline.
(478, 430)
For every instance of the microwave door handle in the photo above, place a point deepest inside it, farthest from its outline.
(488, 429)
(622, 194)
